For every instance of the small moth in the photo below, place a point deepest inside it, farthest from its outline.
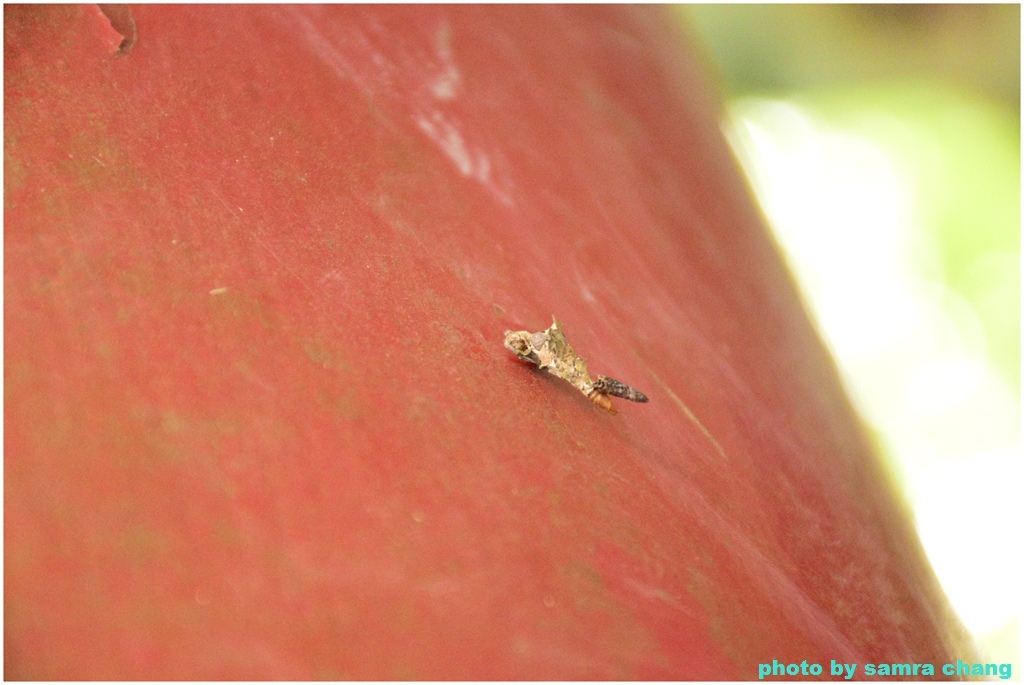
(550, 351)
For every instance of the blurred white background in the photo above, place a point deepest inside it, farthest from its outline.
(883, 143)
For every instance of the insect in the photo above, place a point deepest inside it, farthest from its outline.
(550, 351)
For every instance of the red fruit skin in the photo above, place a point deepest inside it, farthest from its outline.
(259, 422)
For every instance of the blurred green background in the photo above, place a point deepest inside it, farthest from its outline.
(883, 143)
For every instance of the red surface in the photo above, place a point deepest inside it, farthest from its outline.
(332, 468)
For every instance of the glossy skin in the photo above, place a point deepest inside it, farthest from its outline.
(259, 422)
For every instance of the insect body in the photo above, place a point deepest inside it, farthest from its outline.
(610, 386)
(602, 400)
(550, 351)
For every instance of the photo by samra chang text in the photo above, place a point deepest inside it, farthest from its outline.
(837, 670)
